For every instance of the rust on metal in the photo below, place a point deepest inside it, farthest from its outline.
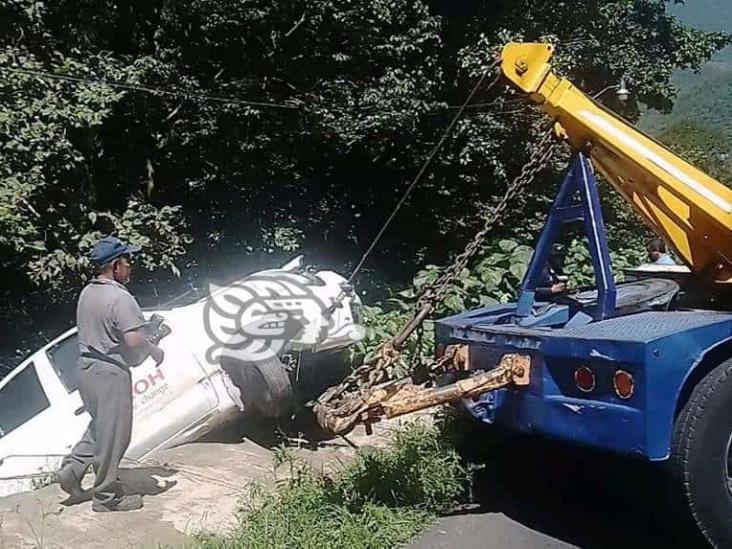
(342, 406)
(520, 365)
(460, 357)
(396, 398)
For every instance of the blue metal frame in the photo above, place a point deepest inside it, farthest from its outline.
(660, 349)
(577, 200)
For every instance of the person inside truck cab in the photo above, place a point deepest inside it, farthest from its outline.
(553, 281)
(657, 253)
(111, 340)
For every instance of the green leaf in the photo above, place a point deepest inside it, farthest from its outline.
(507, 245)
(496, 259)
(522, 254)
(486, 300)
(471, 282)
(424, 278)
(455, 303)
(492, 277)
(518, 270)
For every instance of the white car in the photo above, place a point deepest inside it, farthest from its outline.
(205, 379)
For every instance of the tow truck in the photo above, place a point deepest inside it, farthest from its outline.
(641, 368)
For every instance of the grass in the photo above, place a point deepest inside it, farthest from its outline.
(380, 500)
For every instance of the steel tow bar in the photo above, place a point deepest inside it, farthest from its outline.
(400, 397)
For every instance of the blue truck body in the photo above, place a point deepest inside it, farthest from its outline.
(665, 351)
(660, 349)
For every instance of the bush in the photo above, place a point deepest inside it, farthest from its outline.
(417, 470)
(495, 277)
(382, 499)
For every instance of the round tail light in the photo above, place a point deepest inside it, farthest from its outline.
(624, 384)
(584, 378)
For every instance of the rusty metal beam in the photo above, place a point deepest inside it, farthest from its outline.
(401, 397)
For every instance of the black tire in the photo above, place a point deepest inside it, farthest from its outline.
(699, 454)
(265, 386)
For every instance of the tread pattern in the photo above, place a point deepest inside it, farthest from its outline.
(685, 432)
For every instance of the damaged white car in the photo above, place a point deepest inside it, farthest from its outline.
(240, 348)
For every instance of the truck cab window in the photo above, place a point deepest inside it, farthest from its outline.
(21, 399)
(64, 357)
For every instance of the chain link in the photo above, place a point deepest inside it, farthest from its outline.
(434, 293)
(344, 402)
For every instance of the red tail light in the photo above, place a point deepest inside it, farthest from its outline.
(624, 384)
(584, 379)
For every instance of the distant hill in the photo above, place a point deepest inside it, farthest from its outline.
(706, 96)
(708, 15)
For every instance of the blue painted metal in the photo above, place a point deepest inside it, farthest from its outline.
(658, 348)
(549, 315)
(577, 200)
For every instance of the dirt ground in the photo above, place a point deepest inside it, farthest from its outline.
(195, 487)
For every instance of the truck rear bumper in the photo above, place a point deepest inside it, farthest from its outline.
(660, 350)
(608, 426)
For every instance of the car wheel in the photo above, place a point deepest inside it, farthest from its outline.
(701, 454)
(265, 386)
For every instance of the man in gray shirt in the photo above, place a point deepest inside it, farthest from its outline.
(111, 340)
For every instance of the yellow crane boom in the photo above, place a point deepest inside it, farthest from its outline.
(689, 209)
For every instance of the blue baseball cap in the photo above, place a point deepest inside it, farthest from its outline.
(109, 248)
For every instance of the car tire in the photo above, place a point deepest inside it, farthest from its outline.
(265, 387)
(700, 454)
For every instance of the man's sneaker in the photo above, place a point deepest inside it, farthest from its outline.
(69, 483)
(125, 503)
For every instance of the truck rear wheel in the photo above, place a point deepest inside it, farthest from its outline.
(701, 454)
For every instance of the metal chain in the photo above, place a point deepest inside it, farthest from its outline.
(437, 290)
(345, 399)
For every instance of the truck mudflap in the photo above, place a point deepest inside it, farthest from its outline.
(403, 396)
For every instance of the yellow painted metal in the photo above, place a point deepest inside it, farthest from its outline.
(689, 209)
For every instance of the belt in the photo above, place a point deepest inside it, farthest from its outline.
(95, 354)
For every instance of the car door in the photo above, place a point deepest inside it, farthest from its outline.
(62, 357)
(173, 399)
(35, 431)
(168, 400)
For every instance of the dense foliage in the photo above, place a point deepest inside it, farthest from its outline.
(349, 98)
